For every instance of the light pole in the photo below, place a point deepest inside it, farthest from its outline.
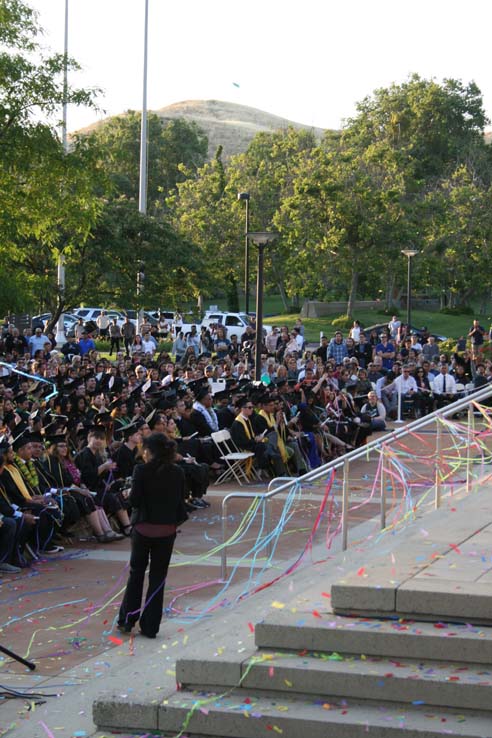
(260, 239)
(245, 196)
(409, 253)
(60, 326)
(142, 193)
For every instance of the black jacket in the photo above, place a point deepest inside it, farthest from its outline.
(158, 494)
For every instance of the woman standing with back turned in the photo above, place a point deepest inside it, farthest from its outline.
(157, 500)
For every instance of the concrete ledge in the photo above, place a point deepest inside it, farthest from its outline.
(369, 678)
(283, 631)
(249, 715)
(218, 671)
(356, 594)
(128, 715)
(463, 601)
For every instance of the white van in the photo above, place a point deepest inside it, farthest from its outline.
(234, 323)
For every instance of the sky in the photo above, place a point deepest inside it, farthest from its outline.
(308, 61)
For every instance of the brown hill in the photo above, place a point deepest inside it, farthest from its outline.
(228, 124)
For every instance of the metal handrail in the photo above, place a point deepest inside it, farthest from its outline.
(344, 461)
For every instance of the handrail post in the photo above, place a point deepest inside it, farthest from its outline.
(383, 490)
(223, 552)
(345, 504)
(268, 526)
(437, 493)
(399, 418)
(471, 421)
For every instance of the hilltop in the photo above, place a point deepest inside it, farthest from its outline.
(228, 124)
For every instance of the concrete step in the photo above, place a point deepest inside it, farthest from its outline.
(375, 637)
(248, 714)
(436, 683)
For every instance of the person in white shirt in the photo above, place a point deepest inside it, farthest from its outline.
(355, 331)
(444, 387)
(102, 322)
(148, 344)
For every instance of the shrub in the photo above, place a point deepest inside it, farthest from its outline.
(458, 310)
(448, 346)
(343, 321)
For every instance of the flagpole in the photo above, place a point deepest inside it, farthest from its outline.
(60, 327)
(142, 195)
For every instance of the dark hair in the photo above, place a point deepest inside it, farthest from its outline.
(161, 448)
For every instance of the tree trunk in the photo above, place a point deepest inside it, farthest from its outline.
(353, 293)
(283, 295)
(232, 295)
(390, 287)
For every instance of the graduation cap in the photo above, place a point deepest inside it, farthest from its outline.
(117, 402)
(5, 443)
(223, 395)
(126, 431)
(149, 417)
(202, 392)
(55, 438)
(101, 418)
(196, 384)
(22, 439)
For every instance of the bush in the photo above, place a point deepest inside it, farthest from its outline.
(448, 346)
(458, 310)
(343, 321)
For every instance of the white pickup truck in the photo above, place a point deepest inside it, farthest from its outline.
(234, 323)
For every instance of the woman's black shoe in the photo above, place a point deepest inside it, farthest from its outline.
(147, 635)
(125, 628)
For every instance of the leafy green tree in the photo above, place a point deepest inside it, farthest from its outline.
(205, 212)
(175, 147)
(48, 202)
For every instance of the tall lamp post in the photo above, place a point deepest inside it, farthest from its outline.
(60, 326)
(245, 196)
(260, 239)
(409, 253)
(142, 192)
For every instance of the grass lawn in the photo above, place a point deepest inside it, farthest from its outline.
(452, 326)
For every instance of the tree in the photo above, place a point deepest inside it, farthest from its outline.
(175, 147)
(48, 202)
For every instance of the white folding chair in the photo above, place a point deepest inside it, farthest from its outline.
(234, 460)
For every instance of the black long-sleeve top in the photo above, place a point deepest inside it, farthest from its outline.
(158, 493)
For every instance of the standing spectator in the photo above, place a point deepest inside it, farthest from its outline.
(36, 342)
(102, 322)
(114, 336)
(79, 328)
(476, 334)
(337, 349)
(394, 326)
(128, 332)
(156, 517)
(355, 331)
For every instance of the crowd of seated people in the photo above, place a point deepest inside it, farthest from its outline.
(68, 445)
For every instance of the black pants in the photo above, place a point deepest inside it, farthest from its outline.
(8, 533)
(115, 343)
(159, 550)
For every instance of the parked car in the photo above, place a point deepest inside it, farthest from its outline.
(232, 322)
(381, 327)
(40, 321)
(91, 314)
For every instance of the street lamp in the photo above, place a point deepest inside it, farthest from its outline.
(260, 239)
(245, 196)
(60, 326)
(409, 253)
(143, 174)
